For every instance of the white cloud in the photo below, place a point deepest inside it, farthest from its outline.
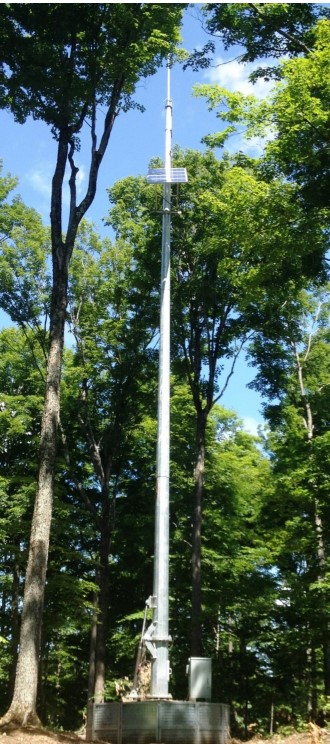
(40, 180)
(251, 425)
(80, 179)
(234, 76)
(255, 146)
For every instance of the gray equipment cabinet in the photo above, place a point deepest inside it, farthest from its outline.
(200, 678)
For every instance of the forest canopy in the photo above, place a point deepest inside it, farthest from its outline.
(249, 514)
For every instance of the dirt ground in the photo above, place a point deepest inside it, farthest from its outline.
(31, 735)
(313, 736)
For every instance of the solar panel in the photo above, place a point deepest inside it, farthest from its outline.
(159, 175)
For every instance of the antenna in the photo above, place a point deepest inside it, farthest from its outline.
(157, 638)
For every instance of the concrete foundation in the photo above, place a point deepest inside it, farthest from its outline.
(159, 722)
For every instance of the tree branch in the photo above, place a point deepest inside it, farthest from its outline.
(232, 369)
(72, 180)
(281, 31)
(308, 420)
(81, 491)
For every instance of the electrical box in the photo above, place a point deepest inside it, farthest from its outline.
(200, 678)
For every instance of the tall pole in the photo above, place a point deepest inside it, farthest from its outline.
(156, 637)
(160, 638)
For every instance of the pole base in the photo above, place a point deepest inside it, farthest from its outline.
(172, 721)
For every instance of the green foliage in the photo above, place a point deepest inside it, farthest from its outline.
(240, 248)
(298, 511)
(61, 65)
(23, 295)
(294, 120)
(21, 400)
(243, 248)
(240, 243)
(267, 31)
(25, 243)
(301, 116)
(271, 30)
(59, 62)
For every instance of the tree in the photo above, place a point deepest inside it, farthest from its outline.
(219, 289)
(112, 319)
(24, 275)
(238, 244)
(64, 648)
(293, 120)
(271, 30)
(21, 396)
(267, 31)
(293, 366)
(301, 113)
(60, 64)
(264, 598)
(295, 114)
(237, 590)
(113, 325)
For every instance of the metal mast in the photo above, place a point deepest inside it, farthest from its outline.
(157, 637)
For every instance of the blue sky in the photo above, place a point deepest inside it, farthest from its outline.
(28, 152)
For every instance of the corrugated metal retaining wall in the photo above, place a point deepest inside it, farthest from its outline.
(160, 722)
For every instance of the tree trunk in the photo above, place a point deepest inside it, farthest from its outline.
(15, 596)
(318, 524)
(43, 679)
(196, 622)
(100, 656)
(23, 706)
(91, 668)
(312, 683)
(243, 685)
(326, 661)
(323, 604)
(271, 722)
(92, 647)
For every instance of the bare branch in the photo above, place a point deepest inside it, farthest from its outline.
(308, 420)
(232, 369)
